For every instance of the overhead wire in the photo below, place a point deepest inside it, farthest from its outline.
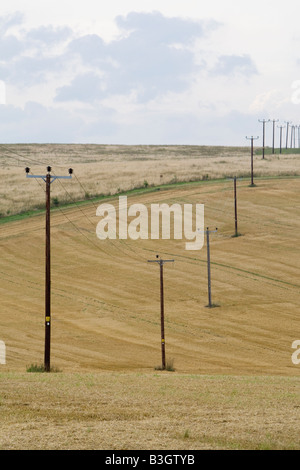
(89, 220)
(27, 159)
(20, 156)
(38, 162)
(122, 242)
(224, 209)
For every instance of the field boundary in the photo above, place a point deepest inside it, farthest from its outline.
(139, 190)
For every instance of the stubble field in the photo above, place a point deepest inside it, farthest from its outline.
(234, 384)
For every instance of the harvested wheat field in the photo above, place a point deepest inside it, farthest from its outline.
(234, 385)
(147, 411)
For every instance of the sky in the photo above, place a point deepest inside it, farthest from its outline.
(147, 72)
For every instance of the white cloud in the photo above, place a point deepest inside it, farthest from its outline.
(2, 92)
(151, 71)
(268, 101)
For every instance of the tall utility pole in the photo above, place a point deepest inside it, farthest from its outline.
(235, 208)
(235, 205)
(281, 127)
(161, 263)
(264, 131)
(292, 136)
(287, 132)
(252, 147)
(207, 231)
(48, 179)
(273, 142)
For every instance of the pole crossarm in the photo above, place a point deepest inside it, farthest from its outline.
(207, 231)
(161, 261)
(52, 178)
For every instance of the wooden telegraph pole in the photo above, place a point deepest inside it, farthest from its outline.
(287, 132)
(235, 205)
(273, 140)
(264, 131)
(161, 263)
(292, 136)
(207, 231)
(48, 179)
(235, 208)
(252, 139)
(47, 278)
(281, 127)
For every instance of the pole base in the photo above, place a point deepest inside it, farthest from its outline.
(238, 234)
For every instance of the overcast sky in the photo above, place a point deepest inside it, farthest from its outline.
(147, 72)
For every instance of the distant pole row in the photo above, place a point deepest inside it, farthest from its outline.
(49, 178)
(292, 137)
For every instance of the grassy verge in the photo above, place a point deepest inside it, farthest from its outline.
(134, 191)
(284, 151)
